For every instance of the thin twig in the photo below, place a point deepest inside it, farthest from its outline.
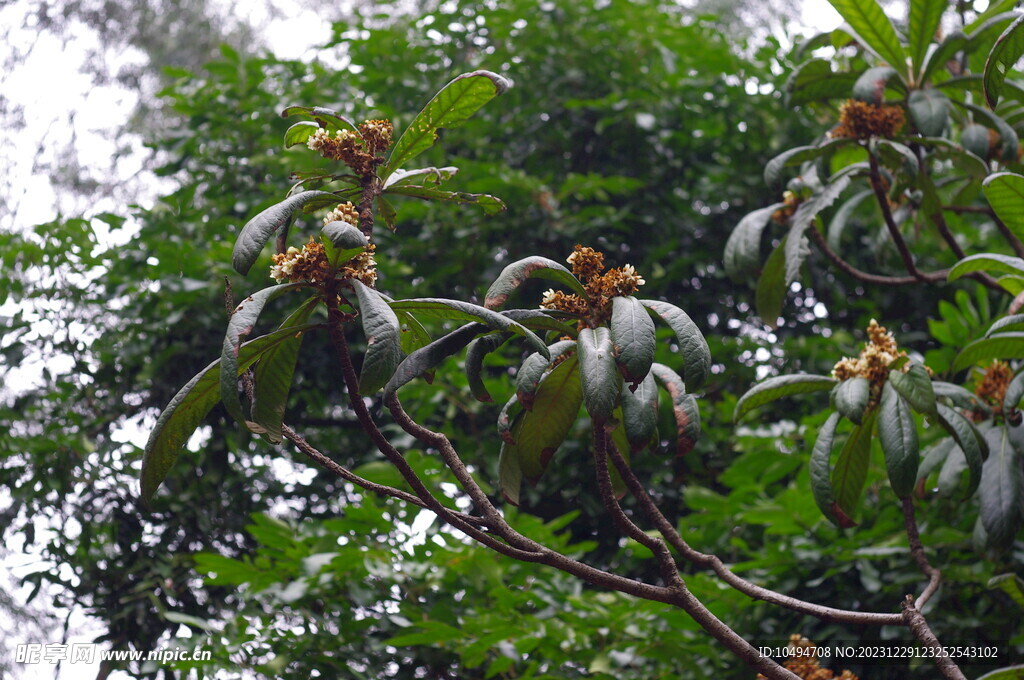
(846, 267)
(917, 551)
(716, 565)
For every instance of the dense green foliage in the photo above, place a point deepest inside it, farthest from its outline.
(630, 129)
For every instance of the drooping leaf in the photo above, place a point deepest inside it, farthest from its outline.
(780, 386)
(1007, 135)
(998, 346)
(1001, 59)
(925, 17)
(943, 54)
(421, 176)
(299, 133)
(542, 320)
(1008, 324)
(327, 118)
(632, 333)
(916, 387)
(475, 353)
(934, 456)
(874, 29)
(242, 321)
(640, 413)
(743, 249)
(491, 205)
(512, 276)
(345, 237)
(430, 356)
(821, 474)
(464, 311)
(1014, 393)
(1005, 264)
(970, 441)
(795, 156)
(273, 375)
(842, 217)
(1005, 193)
(851, 468)
(510, 476)
(599, 375)
(898, 436)
(960, 396)
(542, 430)
(190, 405)
(772, 285)
(533, 368)
(870, 86)
(851, 398)
(975, 138)
(450, 107)
(896, 156)
(692, 345)
(1000, 489)
(259, 229)
(1012, 585)
(684, 408)
(507, 419)
(383, 339)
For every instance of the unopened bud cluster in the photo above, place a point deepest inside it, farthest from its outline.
(588, 265)
(357, 150)
(863, 120)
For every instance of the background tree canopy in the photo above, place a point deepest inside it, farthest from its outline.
(641, 129)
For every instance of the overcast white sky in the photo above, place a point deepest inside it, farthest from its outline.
(49, 84)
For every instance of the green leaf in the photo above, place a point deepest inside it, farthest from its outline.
(299, 133)
(842, 216)
(975, 138)
(1000, 489)
(510, 475)
(896, 156)
(1012, 585)
(970, 441)
(684, 408)
(696, 354)
(640, 413)
(422, 176)
(1005, 193)
(1014, 322)
(916, 387)
(929, 111)
(925, 17)
(259, 229)
(450, 107)
(491, 205)
(507, 418)
(778, 387)
(814, 81)
(876, 33)
(532, 371)
(599, 375)
(772, 286)
(1004, 264)
(327, 118)
(383, 339)
(512, 276)
(958, 395)
(999, 346)
(242, 321)
(1007, 135)
(773, 169)
(193, 621)
(851, 468)
(1014, 393)
(1006, 673)
(432, 633)
(870, 86)
(743, 249)
(475, 353)
(1001, 59)
(191, 404)
(430, 356)
(632, 332)
(465, 311)
(542, 430)
(851, 398)
(943, 54)
(346, 238)
(273, 375)
(898, 436)
(821, 474)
